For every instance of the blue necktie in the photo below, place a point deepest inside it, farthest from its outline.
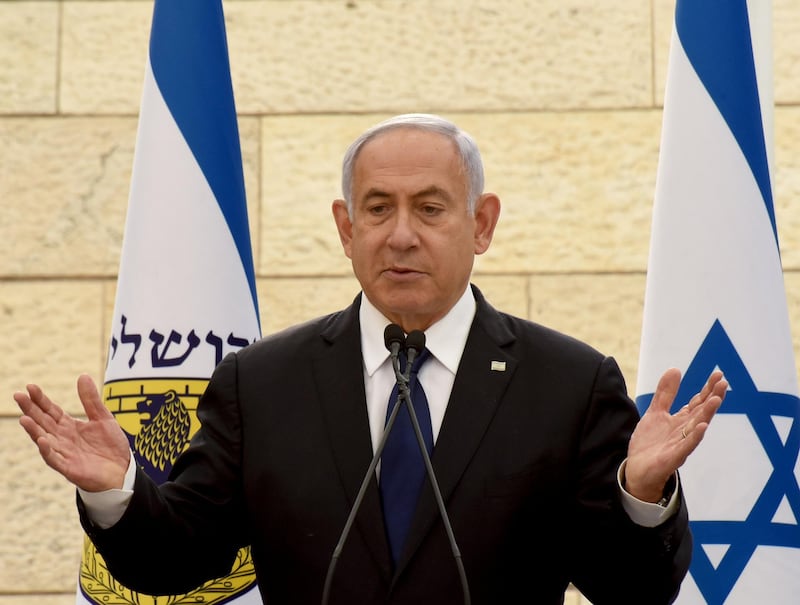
(402, 465)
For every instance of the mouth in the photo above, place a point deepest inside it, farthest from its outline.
(402, 273)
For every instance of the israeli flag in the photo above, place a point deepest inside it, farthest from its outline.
(186, 292)
(715, 298)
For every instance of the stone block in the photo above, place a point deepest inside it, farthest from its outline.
(300, 177)
(791, 281)
(66, 183)
(52, 333)
(34, 598)
(65, 189)
(786, 52)
(604, 311)
(507, 293)
(103, 56)
(42, 540)
(286, 302)
(28, 57)
(663, 21)
(786, 184)
(577, 189)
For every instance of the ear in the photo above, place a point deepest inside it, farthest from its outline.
(343, 224)
(487, 212)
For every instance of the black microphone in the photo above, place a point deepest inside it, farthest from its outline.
(414, 345)
(395, 340)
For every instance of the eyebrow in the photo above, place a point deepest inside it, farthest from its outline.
(374, 192)
(432, 191)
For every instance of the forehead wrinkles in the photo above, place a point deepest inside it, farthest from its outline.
(406, 154)
(425, 193)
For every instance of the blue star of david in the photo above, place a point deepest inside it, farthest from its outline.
(759, 407)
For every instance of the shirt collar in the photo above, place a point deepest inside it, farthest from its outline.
(445, 339)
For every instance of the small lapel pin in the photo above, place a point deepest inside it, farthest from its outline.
(498, 366)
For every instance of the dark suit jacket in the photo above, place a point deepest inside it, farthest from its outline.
(526, 458)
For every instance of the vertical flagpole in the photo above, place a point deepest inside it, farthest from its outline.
(186, 292)
(715, 298)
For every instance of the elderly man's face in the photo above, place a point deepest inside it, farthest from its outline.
(411, 239)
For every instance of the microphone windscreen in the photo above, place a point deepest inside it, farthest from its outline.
(416, 340)
(394, 334)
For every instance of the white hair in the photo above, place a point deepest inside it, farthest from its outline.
(470, 156)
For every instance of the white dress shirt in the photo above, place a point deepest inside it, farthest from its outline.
(445, 340)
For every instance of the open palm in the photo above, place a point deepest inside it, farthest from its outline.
(93, 454)
(662, 441)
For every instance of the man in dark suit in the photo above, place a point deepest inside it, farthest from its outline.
(548, 475)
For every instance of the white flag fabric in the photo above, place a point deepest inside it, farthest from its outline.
(186, 289)
(715, 298)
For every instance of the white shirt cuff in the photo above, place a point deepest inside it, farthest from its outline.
(107, 507)
(646, 514)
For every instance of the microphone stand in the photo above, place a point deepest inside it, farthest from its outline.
(363, 489)
(404, 393)
(404, 396)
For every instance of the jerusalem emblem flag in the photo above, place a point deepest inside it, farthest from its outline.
(186, 292)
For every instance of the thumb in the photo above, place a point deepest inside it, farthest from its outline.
(667, 388)
(90, 398)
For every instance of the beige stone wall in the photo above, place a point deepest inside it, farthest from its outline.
(563, 95)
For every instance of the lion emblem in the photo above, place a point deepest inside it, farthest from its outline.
(165, 432)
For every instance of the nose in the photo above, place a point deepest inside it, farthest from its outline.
(403, 233)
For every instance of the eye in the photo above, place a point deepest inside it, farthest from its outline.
(378, 209)
(431, 210)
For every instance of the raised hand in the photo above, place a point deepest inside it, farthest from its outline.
(662, 441)
(93, 454)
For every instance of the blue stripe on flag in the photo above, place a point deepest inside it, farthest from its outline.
(190, 33)
(718, 45)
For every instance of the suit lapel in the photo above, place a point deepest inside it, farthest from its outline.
(483, 375)
(338, 371)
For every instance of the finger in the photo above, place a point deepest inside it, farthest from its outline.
(708, 405)
(715, 396)
(23, 401)
(692, 440)
(666, 390)
(701, 417)
(32, 416)
(44, 442)
(715, 377)
(710, 388)
(37, 406)
(51, 456)
(721, 388)
(39, 398)
(34, 430)
(90, 398)
(706, 412)
(53, 412)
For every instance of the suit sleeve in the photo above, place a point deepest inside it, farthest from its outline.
(616, 561)
(176, 536)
